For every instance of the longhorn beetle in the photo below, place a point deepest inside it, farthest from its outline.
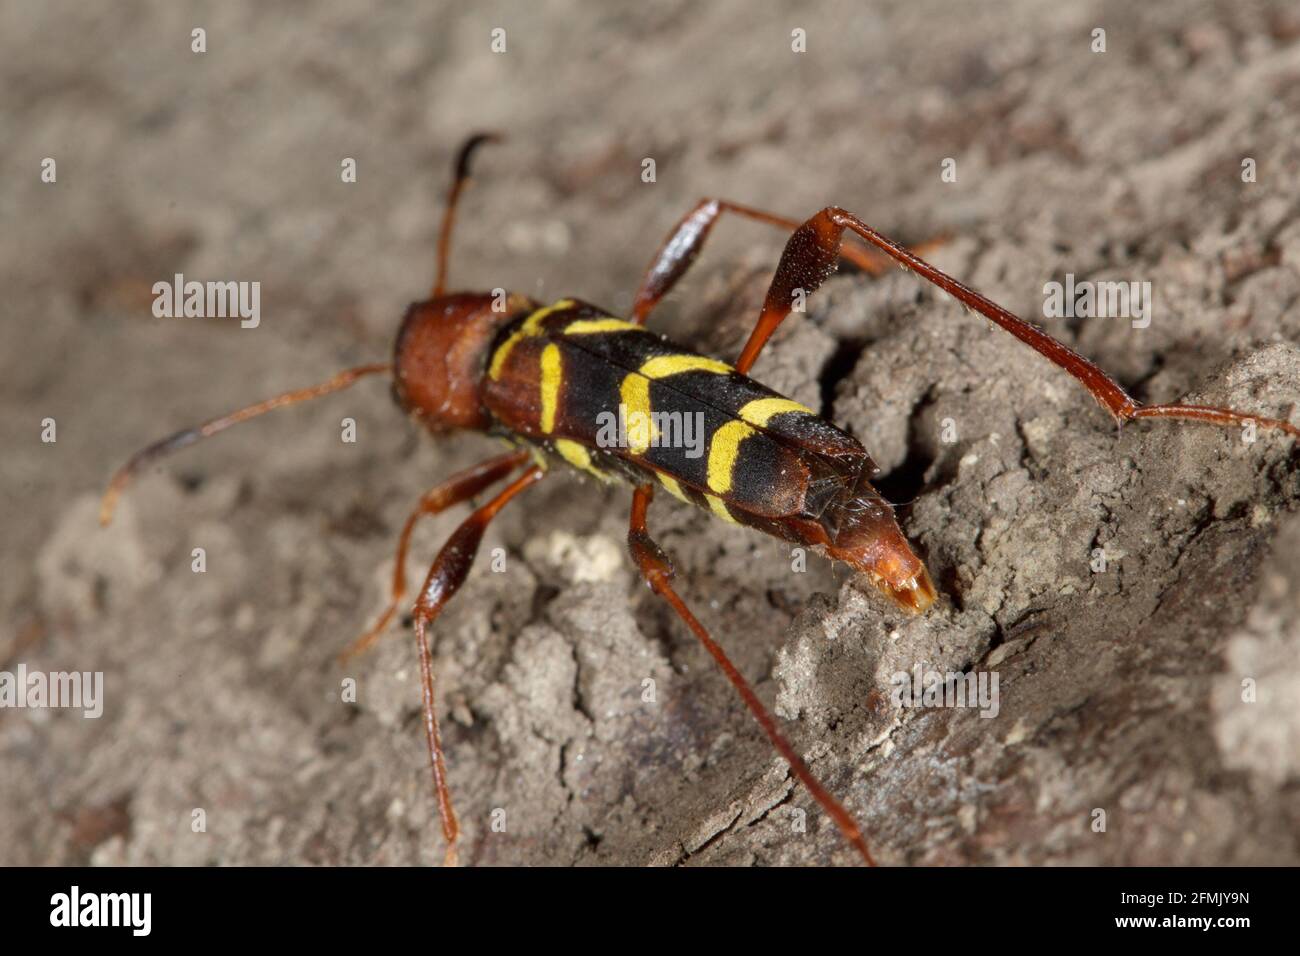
(543, 377)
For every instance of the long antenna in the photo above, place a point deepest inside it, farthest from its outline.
(189, 436)
(461, 176)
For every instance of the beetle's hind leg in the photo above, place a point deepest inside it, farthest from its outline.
(657, 570)
(448, 573)
(810, 257)
(682, 246)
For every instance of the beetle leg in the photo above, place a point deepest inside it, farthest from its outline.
(448, 573)
(657, 570)
(683, 245)
(457, 488)
(810, 258)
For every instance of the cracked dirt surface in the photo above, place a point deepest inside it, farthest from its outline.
(1120, 691)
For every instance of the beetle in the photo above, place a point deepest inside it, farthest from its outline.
(572, 387)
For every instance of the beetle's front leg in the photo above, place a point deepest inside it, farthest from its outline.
(450, 568)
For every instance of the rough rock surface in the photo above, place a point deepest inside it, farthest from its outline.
(1163, 691)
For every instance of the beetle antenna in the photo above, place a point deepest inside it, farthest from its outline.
(189, 436)
(460, 176)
